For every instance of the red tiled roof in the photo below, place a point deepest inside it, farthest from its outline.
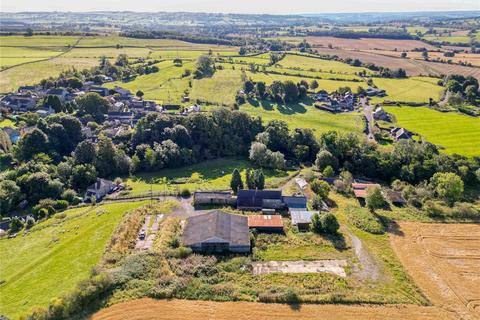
(266, 220)
(364, 185)
(360, 193)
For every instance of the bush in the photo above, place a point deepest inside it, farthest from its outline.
(329, 223)
(466, 210)
(61, 205)
(15, 225)
(375, 199)
(321, 188)
(279, 295)
(317, 202)
(70, 196)
(317, 226)
(29, 222)
(328, 172)
(185, 193)
(435, 208)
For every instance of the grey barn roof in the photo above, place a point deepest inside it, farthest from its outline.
(302, 217)
(254, 198)
(217, 225)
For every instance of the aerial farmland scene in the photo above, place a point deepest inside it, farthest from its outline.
(224, 160)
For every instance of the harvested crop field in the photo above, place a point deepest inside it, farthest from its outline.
(368, 44)
(199, 310)
(411, 66)
(444, 261)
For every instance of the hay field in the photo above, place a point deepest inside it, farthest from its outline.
(456, 133)
(203, 310)
(221, 88)
(444, 260)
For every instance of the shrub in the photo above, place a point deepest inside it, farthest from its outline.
(317, 223)
(328, 172)
(15, 225)
(325, 159)
(466, 210)
(329, 223)
(61, 205)
(29, 222)
(317, 202)
(321, 188)
(185, 193)
(70, 196)
(279, 295)
(375, 199)
(434, 208)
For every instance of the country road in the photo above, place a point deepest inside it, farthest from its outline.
(368, 113)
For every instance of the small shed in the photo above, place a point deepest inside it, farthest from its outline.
(266, 223)
(396, 198)
(302, 219)
(301, 183)
(360, 189)
(217, 232)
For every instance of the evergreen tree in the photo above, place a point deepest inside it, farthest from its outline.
(259, 179)
(250, 179)
(236, 182)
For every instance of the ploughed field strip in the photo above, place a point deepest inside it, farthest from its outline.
(336, 267)
(444, 261)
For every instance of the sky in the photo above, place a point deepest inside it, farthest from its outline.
(241, 6)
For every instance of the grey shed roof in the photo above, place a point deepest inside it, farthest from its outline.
(302, 217)
(217, 226)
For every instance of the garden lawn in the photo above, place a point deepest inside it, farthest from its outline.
(54, 256)
(414, 89)
(306, 116)
(455, 132)
(211, 175)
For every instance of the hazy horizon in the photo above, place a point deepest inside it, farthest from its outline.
(246, 6)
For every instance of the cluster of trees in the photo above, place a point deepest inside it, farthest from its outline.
(254, 180)
(325, 223)
(461, 89)
(384, 33)
(281, 92)
(205, 66)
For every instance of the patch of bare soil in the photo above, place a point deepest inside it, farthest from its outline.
(336, 267)
(369, 44)
(444, 261)
(202, 310)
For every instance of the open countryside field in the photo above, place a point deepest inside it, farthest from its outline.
(368, 44)
(221, 88)
(411, 66)
(311, 63)
(306, 116)
(444, 260)
(455, 132)
(55, 255)
(415, 89)
(202, 310)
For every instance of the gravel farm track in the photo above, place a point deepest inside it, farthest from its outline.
(443, 260)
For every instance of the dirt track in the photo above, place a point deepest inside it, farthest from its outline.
(203, 310)
(444, 261)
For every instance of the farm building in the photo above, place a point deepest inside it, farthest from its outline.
(99, 189)
(401, 133)
(217, 231)
(259, 199)
(266, 223)
(295, 202)
(302, 219)
(396, 198)
(212, 198)
(360, 189)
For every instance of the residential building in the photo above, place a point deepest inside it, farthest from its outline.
(100, 90)
(217, 232)
(19, 102)
(99, 189)
(401, 133)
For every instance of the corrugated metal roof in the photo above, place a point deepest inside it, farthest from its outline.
(302, 217)
(272, 221)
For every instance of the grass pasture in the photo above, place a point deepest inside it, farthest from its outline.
(305, 116)
(221, 88)
(55, 255)
(311, 63)
(415, 89)
(38, 41)
(455, 132)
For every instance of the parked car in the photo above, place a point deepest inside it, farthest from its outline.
(141, 235)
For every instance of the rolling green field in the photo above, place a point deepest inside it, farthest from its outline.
(448, 39)
(38, 41)
(308, 63)
(167, 85)
(455, 132)
(415, 89)
(221, 88)
(306, 116)
(213, 175)
(54, 256)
